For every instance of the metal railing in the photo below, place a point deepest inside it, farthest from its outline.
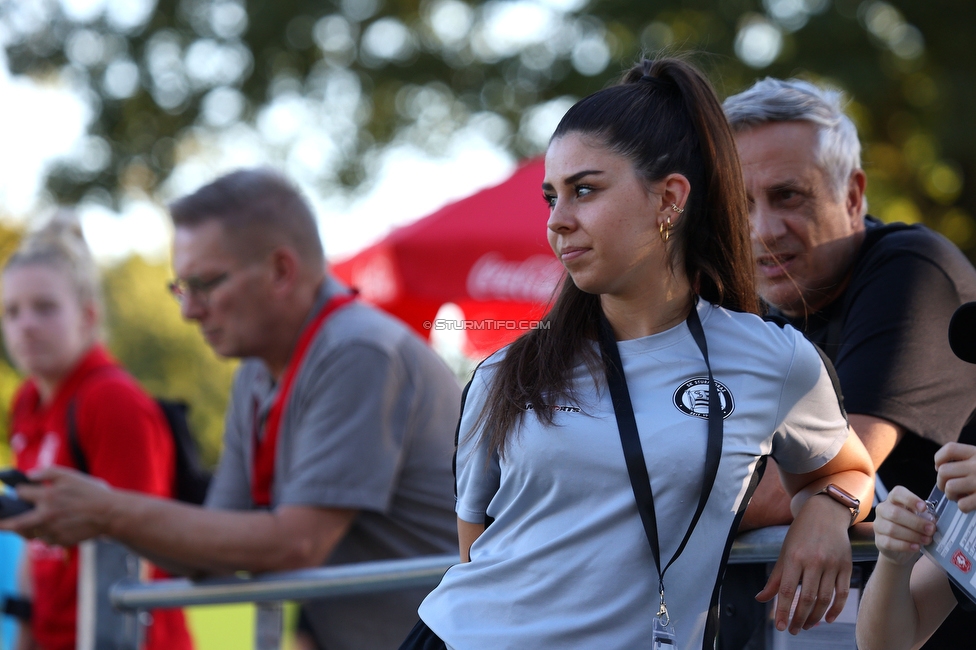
(131, 597)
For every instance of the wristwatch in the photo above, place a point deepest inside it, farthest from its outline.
(844, 498)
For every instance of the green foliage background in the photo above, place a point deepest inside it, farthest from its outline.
(145, 332)
(907, 65)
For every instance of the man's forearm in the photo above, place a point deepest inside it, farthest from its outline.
(879, 436)
(71, 507)
(169, 565)
(196, 541)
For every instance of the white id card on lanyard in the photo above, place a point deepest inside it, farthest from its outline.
(663, 635)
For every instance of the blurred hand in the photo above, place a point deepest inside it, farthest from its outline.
(817, 555)
(903, 525)
(956, 465)
(70, 507)
(25, 638)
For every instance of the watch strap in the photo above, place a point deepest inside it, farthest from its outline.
(844, 498)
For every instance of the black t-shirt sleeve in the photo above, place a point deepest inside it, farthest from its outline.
(894, 361)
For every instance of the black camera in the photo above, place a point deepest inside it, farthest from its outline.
(10, 505)
(962, 332)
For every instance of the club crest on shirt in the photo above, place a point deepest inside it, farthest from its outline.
(691, 398)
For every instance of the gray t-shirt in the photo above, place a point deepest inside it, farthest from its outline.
(566, 563)
(369, 426)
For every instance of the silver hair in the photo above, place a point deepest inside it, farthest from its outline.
(776, 100)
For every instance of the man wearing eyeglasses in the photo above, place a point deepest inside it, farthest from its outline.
(339, 434)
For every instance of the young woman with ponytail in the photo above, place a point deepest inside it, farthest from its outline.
(51, 329)
(651, 361)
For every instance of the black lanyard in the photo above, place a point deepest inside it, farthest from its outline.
(623, 410)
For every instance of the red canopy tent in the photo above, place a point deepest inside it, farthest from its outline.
(486, 253)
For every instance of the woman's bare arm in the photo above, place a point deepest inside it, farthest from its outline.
(817, 550)
(467, 533)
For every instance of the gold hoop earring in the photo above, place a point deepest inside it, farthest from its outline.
(665, 229)
(677, 209)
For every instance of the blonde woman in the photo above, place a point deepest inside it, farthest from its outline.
(51, 327)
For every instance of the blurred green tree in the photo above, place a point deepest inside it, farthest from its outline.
(9, 379)
(163, 74)
(167, 355)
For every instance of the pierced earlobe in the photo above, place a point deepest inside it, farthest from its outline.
(665, 229)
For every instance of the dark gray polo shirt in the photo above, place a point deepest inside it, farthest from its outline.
(369, 426)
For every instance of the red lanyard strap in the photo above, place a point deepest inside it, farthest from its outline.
(266, 449)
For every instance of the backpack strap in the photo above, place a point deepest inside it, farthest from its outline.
(74, 445)
(191, 480)
(74, 442)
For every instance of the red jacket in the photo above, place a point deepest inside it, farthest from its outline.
(126, 442)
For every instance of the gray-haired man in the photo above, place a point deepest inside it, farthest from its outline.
(877, 298)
